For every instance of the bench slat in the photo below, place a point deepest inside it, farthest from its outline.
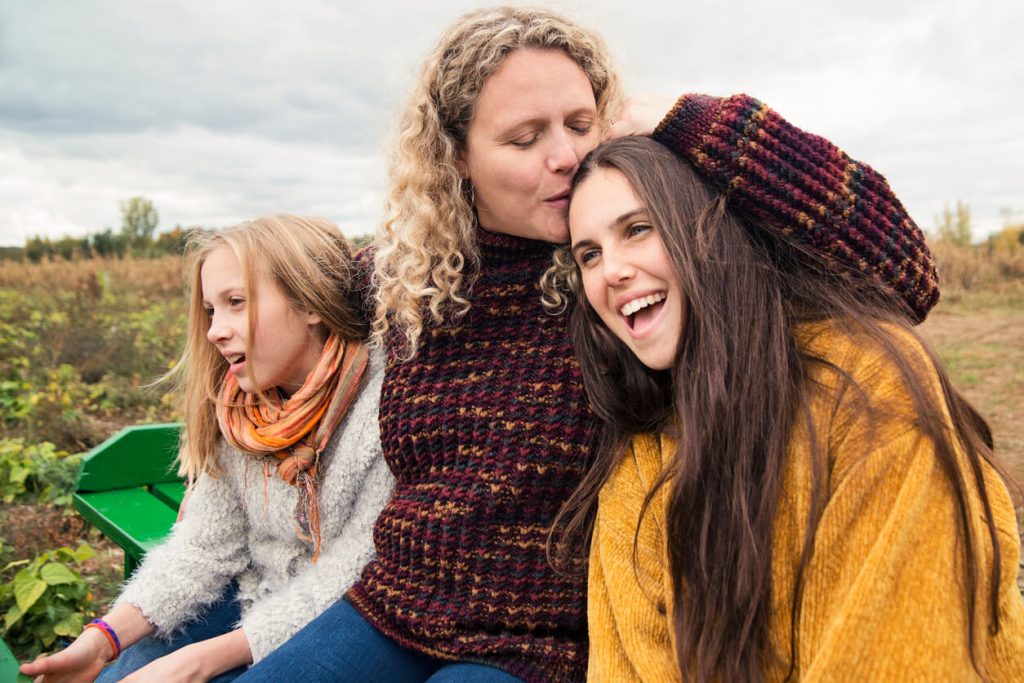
(134, 519)
(172, 494)
(9, 666)
(135, 456)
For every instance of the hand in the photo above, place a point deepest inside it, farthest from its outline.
(640, 116)
(79, 662)
(180, 666)
(198, 662)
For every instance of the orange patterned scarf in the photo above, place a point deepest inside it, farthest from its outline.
(296, 430)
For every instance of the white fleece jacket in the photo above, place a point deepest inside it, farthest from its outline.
(240, 526)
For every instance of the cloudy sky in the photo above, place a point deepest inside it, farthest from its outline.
(222, 110)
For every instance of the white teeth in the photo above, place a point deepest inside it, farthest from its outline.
(642, 302)
(235, 358)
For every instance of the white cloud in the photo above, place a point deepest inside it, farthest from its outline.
(223, 110)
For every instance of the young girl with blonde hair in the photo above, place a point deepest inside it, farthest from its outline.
(790, 487)
(281, 447)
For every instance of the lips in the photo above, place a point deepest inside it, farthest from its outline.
(559, 201)
(639, 312)
(236, 362)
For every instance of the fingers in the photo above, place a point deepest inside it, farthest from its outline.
(639, 116)
(38, 666)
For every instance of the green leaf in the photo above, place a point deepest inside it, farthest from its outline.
(84, 552)
(55, 574)
(27, 590)
(12, 617)
(70, 625)
(19, 474)
(11, 565)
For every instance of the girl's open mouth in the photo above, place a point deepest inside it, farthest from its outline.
(642, 310)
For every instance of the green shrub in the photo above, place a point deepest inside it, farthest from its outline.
(46, 599)
(38, 473)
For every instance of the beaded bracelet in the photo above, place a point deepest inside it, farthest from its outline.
(108, 631)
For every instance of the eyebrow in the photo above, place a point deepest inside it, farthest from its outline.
(624, 218)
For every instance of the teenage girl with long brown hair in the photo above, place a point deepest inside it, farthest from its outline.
(790, 486)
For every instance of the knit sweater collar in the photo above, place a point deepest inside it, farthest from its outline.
(498, 246)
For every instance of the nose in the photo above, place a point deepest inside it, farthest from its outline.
(218, 330)
(564, 156)
(615, 268)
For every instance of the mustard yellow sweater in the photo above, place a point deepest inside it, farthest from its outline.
(884, 598)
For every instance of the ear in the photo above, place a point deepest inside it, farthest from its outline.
(313, 318)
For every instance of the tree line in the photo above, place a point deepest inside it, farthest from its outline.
(139, 218)
(136, 238)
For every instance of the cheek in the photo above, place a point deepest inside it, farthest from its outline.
(507, 174)
(587, 144)
(595, 293)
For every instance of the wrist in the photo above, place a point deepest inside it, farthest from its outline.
(107, 632)
(98, 643)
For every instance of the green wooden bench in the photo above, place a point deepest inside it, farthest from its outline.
(129, 489)
(9, 666)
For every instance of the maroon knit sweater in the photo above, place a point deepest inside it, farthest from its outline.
(487, 431)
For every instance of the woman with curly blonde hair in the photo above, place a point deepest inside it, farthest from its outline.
(483, 418)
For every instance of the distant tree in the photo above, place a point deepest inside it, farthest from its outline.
(139, 219)
(37, 248)
(955, 226)
(173, 241)
(1007, 240)
(108, 245)
(84, 246)
(66, 247)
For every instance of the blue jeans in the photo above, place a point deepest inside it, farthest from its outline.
(220, 618)
(340, 645)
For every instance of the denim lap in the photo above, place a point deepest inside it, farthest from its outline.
(340, 645)
(219, 619)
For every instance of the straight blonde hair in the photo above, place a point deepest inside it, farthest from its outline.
(309, 260)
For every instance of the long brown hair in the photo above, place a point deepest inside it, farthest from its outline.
(739, 388)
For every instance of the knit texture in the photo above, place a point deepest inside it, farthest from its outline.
(487, 430)
(806, 187)
(883, 595)
(241, 526)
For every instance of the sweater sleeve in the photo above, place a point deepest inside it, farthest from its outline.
(884, 596)
(629, 631)
(191, 569)
(355, 489)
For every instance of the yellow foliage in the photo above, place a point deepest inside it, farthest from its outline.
(1009, 240)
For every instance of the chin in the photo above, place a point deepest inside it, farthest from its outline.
(555, 234)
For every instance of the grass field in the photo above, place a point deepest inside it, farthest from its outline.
(980, 337)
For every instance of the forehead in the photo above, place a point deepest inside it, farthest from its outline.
(220, 261)
(532, 81)
(598, 201)
(221, 269)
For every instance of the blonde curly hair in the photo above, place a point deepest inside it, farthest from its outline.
(427, 242)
